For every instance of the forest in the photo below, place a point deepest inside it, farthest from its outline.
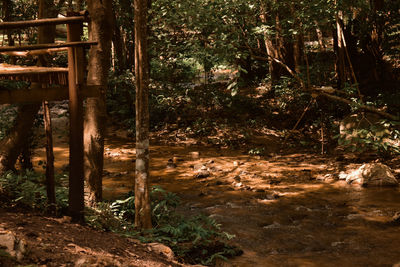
(199, 133)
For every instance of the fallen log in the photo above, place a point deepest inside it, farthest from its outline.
(322, 92)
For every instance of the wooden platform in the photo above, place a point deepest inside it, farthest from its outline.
(47, 75)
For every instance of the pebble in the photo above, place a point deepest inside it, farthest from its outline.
(202, 174)
(171, 164)
(237, 178)
(194, 154)
(275, 225)
(237, 184)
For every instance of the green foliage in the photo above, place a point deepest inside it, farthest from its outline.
(177, 70)
(121, 98)
(28, 190)
(257, 151)
(288, 96)
(381, 138)
(197, 239)
(7, 116)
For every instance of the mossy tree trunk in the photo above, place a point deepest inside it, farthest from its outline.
(142, 198)
(95, 113)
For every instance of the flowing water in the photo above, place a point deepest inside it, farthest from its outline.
(285, 210)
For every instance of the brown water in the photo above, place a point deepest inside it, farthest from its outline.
(281, 211)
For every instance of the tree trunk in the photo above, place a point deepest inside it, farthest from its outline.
(142, 198)
(321, 43)
(119, 50)
(50, 184)
(95, 113)
(298, 51)
(340, 51)
(12, 145)
(298, 41)
(272, 52)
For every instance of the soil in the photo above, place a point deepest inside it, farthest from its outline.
(286, 208)
(58, 242)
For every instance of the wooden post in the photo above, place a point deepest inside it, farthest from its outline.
(50, 184)
(75, 80)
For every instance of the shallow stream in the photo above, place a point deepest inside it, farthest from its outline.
(285, 210)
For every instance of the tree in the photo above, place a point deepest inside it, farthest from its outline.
(95, 113)
(142, 198)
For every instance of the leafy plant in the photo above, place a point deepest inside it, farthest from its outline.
(197, 239)
(28, 190)
(7, 116)
(381, 137)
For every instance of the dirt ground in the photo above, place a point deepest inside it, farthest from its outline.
(57, 242)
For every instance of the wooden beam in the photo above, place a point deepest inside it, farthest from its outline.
(48, 51)
(44, 94)
(42, 22)
(48, 75)
(45, 46)
(6, 69)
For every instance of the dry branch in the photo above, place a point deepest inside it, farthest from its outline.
(362, 106)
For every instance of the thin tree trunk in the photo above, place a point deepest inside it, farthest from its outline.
(95, 113)
(298, 47)
(50, 184)
(11, 146)
(274, 69)
(119, 49)
(321, 43)
(142, 198)
(340, 53)
(298, 41)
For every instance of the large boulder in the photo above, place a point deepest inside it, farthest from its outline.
(371, 174)
(11, 244)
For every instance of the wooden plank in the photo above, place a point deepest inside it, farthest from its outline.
(35, 52)
(42, 22)
(7, 69)
(45, 46)
(44, 94)
(48, 75)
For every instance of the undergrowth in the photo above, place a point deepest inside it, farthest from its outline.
(28, 190)
(197, 239)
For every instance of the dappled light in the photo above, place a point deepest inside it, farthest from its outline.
(227, 133)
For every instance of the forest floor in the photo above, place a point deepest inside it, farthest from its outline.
(285, 207)
(58, 242)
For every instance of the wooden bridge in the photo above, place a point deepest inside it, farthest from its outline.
(56, 83)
